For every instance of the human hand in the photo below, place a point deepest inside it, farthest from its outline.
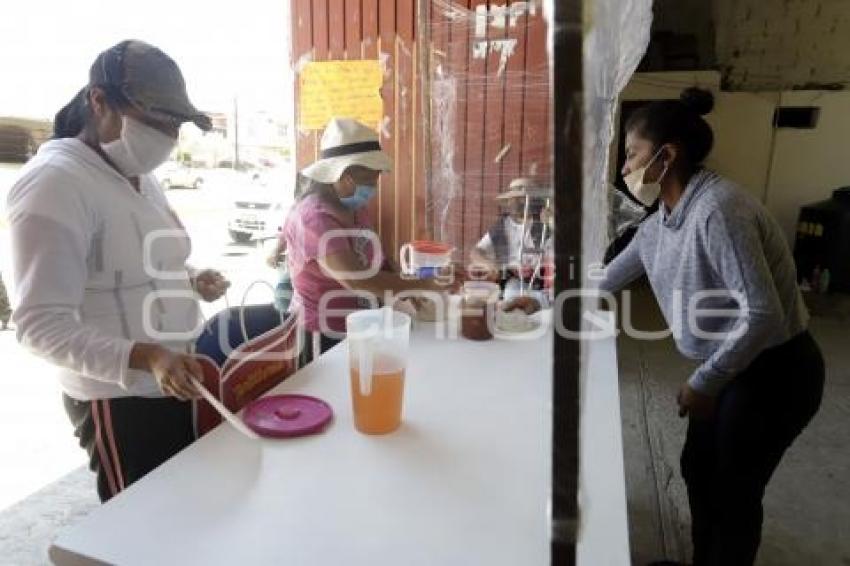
(692, 402)
(210, 285)
(174, 372)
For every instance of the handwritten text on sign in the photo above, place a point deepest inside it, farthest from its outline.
(340, 89)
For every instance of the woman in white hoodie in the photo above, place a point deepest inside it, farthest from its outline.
(100, 265)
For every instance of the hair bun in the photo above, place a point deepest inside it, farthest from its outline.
(697, 99)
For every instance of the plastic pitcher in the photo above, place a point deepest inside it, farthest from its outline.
(424, 259)
(377, 351)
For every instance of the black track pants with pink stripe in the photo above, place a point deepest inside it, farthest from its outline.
(127, 437)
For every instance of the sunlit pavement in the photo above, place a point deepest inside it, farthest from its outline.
(37, 445)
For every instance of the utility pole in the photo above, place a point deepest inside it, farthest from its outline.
(235, 133)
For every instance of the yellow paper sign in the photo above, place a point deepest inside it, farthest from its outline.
(340, 89)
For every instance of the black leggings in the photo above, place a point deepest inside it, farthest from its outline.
(127, 437)
(728, 460)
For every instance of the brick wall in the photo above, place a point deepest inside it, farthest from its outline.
(783, 44)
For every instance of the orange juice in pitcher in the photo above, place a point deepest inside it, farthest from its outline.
(379, 412)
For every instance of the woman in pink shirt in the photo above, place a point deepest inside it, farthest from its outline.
(334, 257)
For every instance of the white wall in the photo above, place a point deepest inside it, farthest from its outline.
(785, 171)
(742, 124)
(809, 164)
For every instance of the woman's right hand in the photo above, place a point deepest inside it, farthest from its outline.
(173, 371)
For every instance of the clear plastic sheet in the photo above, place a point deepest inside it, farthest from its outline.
(625, 213)
(616, 38)
(489, 113)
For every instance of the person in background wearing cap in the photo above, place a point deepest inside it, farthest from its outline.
(499, 250)
(327, 269)
(100, 265)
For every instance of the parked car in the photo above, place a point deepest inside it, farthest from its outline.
(258, 213)
(173, 174)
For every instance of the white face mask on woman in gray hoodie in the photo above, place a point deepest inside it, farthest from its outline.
(140, 149)
(646, 192)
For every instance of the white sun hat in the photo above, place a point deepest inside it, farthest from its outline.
(346, 142)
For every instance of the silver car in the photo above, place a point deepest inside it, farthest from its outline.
(173, 174)
(259, 211)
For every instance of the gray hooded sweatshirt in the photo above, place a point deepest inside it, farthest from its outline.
(723, 275)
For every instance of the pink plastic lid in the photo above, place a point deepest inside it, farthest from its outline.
(285, 416)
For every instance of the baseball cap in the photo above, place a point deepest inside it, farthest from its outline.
(142, 75)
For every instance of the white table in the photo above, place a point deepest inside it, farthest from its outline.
(465, 480)
(603, 536)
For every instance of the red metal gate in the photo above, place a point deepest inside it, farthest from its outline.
(491, 56)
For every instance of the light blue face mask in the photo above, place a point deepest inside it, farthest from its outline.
(361, 197)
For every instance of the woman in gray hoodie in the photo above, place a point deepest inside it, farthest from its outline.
(726, 283)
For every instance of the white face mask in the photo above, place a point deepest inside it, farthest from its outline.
(140, 149)
(646, 193)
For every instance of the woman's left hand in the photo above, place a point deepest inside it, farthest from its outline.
(692, 402)
(210, 285)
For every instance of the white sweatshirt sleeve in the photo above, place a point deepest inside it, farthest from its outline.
(50, 236)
